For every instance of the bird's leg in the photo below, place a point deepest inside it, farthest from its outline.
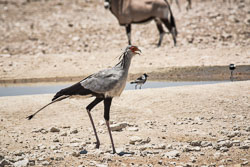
(135, 86)
(140, 86)
(107, 104)
(88, 108)
(128, 31)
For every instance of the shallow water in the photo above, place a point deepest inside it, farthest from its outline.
(48, 88)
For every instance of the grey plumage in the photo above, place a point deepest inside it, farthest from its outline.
(104, 85)
(140, 81)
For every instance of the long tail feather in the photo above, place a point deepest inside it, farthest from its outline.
(59, 99)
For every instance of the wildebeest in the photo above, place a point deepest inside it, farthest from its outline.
(140, 11)
(189, 5)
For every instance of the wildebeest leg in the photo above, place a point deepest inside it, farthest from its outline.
(161, 31)
(171, 29)
(128, 31)
(89, 107)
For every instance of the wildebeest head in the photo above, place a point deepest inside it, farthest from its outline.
(106, 4)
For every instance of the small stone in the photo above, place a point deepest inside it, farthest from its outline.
(160, 146)
(74, 131)
(135, 139)
(145, 141)
(206, 144)
(244, 147)
(54, 129)
(75, 140)
(56, 140)
(133, 129)
(119, 126)
(248, 129)
(75, 154)
(45, 163)
(195, 143)
(224, 149)
(245, 163)
(171, 154)
(236, 142)
(21, 163)
(4, 162)
(64, 134)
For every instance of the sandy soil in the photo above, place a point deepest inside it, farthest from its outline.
(55, 39)
(171, 117)
(183, 126)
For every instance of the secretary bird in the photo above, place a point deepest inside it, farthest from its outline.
(104, 85)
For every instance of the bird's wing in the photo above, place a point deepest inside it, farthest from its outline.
(102, 81)
(140, 79)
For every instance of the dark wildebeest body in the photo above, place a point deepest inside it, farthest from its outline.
(140, 11)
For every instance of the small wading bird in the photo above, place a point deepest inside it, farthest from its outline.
(140, 81)
(104, 85)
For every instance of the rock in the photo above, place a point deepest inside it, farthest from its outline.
(21, 163)
(160, 146)
(244, 147)
(133, 129)
(1, 157)
(75, 140)
(4, 162)
(45, 163)
(56, 147)
(75, 131)
(135, 139)
(56, 140)
(171, 154)
(236, 142)
(54, 129)
(118, 127)
(206, 144)
(224, 149)
(195, 143)
(226, 143)
(188, 149)
(248, 129)
(75, 154)
(64, 134)
(233, 134)
(244, 163)
(145, 141)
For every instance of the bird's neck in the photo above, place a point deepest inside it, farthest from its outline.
(125, 62)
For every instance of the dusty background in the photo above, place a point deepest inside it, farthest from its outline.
(58, 39)
(206, 125)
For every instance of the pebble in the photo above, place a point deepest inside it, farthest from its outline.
(45, 163)
(195, 143)
(171, 154)
(118, 126)
(206, 144)
(64, 134)
(75, 131)
(188, 148)
(21, 163)
(133, 129)
(54, 129)
(4, 162)
(134, 139)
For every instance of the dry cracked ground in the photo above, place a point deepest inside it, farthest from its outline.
(203, 125)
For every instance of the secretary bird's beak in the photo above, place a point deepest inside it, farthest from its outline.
(138, 51)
